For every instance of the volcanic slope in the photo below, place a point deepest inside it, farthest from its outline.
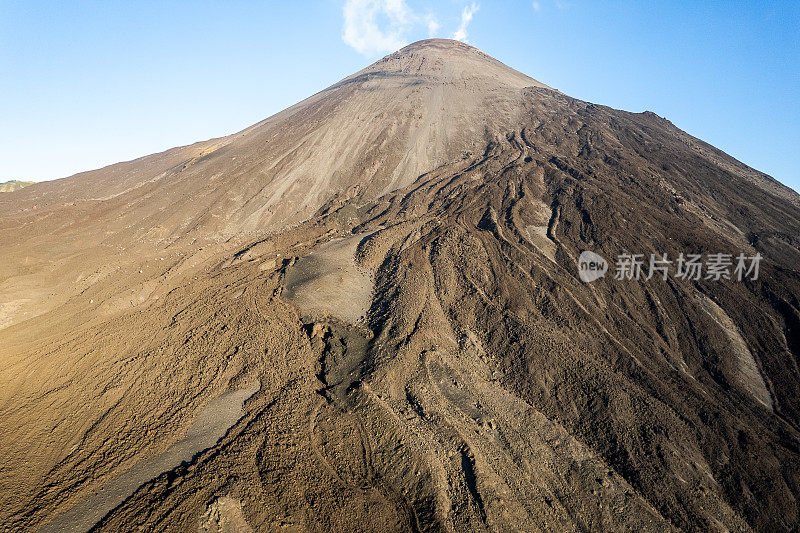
(395, 261)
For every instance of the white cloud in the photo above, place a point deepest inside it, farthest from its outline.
(466, 18)
(376, 26)
(536, 6)
(433, 25)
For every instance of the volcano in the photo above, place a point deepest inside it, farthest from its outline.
(369, 313)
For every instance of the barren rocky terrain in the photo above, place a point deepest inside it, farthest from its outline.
(394, 262)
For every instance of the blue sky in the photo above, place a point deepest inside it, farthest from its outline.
(84, 84)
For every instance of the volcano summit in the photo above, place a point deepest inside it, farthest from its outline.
(386, 278)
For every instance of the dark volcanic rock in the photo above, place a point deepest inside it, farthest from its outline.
(483, 385)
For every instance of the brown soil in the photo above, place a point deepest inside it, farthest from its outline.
(394, 259)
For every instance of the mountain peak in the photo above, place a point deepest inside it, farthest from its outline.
(437, 43)
(394, 263)
(448, 60)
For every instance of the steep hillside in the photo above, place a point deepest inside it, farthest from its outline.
(394, 262)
